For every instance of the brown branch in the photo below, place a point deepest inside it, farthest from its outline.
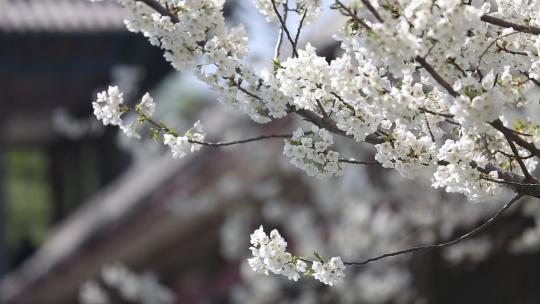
(507, 183)
(422, 109)
(535, 81)
(356, 162)
(241, 141)
(453, 62)
(497, 124)
(504, 49)
(512, 156)
(512, 181)
(373, 10)
(284, 27)
(429, 127)
(447, 117)
(160, 127)
(465, 236)
(300, 25)
(279, 42)
(440, 80)
(507, 24)
(353, 15)
(330, 125)
(526, 173)
(155, 5)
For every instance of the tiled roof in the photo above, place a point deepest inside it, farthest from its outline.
(60, 16)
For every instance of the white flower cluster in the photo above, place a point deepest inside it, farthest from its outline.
(329, 273)
(413, 30)
(407, 153)
(482, 102)
(269, 255)
(314, 85)
(199, 42)
(306, 79)
(109, 108)
(182, 145)
(309, 152)
(354, 114)
(459, 176)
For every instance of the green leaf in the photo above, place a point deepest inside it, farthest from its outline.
(318, 256)
(276, 63)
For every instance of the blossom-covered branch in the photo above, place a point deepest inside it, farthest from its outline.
(419, 80)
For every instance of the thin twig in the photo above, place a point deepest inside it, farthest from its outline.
(453, 62)
(503, 48)
(526, 173)
(353, 15)
(279, 42)
(470, 234)
(489, 46)
(300, 26)
(373, 10)
(356, 162)
(241, 141)
(503, 182)
(535, 81)
(429, 127)
(284, 27)
(497, 124)
(162, 128)
(422, 109)
(512, 156)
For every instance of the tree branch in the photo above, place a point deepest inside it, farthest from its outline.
(526, 173)
(373, 10)
(440, 80)
(356, 162)
(489, 46)
(155, 5)
(497, 124)
(330, 125)
(300, 26)
(465, 236)
(284, 27)
(279, 42)
(507, 24)
(353, 15)
(163, 128)
(512, 181)
(241, 141)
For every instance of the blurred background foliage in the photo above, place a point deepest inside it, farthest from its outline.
(29, 197)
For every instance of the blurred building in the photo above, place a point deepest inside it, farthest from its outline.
(55, 55)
